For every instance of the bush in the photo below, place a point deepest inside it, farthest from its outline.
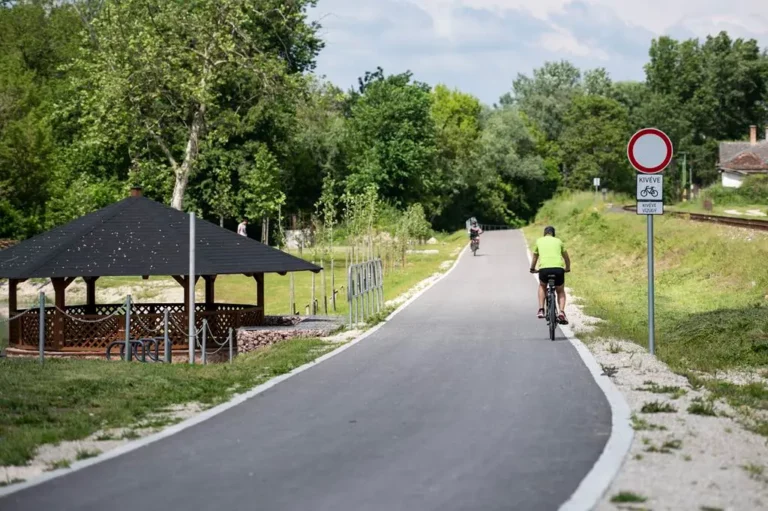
(754, 190)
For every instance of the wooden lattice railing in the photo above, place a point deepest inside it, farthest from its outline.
(93, 332)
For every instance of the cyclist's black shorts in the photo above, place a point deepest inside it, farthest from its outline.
(558, 273)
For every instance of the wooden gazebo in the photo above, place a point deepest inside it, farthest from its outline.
(134, 237)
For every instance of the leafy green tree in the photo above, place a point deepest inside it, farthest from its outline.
(316, 145)
(456, 116)
(392, 140)
(546, 96)
(597, 82)
(633, 95)
(261, 195)
(163, 74)
(219, 193)
(36, 37)
(508, 169)
(594, 144)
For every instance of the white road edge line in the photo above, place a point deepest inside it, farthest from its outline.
(596, 482)
(212, 412)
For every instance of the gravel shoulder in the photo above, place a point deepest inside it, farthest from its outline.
(682, 457)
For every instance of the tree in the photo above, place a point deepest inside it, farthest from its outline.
(546, 96)
(508, 169)
(220, 194)
(456, 116)
(161, 74)
(632, 95)
(392, 140)
(36, 37)
(316, 145)
(597, 82)
(594, 144)
(261, 195)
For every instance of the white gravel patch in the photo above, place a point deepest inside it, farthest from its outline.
(708, 462)
(345, 336)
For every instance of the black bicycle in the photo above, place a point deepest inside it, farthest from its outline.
(550, 305)
(649, 190)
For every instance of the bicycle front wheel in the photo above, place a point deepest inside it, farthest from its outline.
(552, 314)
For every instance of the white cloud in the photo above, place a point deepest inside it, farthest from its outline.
(658, 16)
(560, 40)
(481, 45)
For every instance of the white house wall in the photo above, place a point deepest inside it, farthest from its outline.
(732, 180)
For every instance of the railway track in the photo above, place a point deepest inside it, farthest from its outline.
(746, 223)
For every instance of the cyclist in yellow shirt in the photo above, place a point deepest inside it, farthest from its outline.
(553, 260)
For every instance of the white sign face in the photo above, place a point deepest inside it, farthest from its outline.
(650, 208)
(596, 181)
(649, 187)
(649, 150)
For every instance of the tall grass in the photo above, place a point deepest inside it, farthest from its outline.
(711, 283)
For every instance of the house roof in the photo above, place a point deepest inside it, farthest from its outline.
(138, 236)
(744, 158)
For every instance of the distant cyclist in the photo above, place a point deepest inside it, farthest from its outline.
(550, 252)
(475, 231)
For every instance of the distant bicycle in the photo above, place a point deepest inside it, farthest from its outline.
(474, 244)
(649, 190)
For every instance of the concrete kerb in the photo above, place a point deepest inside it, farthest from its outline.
(212, 412)
(596, 483)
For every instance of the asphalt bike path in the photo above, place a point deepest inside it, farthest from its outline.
(459, 402)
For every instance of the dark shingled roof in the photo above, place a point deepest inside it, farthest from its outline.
(138, 236)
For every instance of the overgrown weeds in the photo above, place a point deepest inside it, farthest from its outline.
(658, 407)
(673, 390)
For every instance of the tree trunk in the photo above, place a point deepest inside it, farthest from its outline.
(190, 157)
(221, 220)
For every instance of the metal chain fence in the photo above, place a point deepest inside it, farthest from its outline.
(145, 346)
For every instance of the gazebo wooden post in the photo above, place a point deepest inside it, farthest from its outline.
(210, 292)
(183, 281)
(90, 290)
(60, 289)
(260, 294)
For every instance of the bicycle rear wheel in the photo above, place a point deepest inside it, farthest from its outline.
(552, 316)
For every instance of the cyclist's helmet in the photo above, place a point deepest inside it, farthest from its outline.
(549, 230)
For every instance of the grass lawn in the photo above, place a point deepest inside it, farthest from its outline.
(711, 287)
(71, 399)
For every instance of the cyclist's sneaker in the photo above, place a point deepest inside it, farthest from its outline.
(540, 315)
(562, 319)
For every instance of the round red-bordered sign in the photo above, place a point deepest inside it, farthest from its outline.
(649, 150)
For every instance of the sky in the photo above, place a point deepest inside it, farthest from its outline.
(480, 46)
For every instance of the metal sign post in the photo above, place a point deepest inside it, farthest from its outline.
(650, 151)
(191, 289)
(596, 184)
